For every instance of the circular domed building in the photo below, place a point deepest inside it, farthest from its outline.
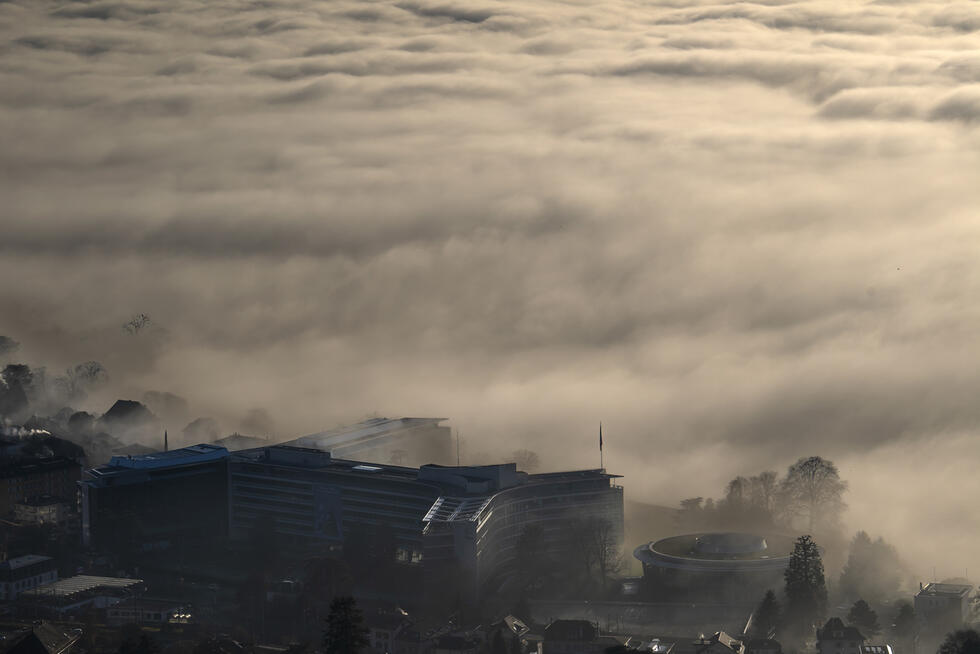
(714, 567)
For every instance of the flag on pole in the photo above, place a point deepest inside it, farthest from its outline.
(600, 436)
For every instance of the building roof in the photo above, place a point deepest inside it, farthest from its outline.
(835, 629)
(571, 630)
(24, 561)
(945, 590)
(308, 458)
(240, 442)
(43, 638)
(363, 435)
(184, 456)
(134, 468)
(720, 638)
(26, 467)
(81, 584)
(652, 645)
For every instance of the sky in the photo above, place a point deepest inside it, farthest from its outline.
(736, 233)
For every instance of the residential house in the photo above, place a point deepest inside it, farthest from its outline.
(837, 638)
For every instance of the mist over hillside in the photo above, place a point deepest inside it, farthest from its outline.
(737, 234)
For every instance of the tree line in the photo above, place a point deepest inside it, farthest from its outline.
(809, 497)
(805, 599)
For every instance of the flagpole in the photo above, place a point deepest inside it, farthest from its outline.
(601, 466)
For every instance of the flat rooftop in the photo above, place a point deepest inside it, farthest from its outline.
(308, 458)
(24, 561)
(945, 590)
(132, 468)
(81, 584)
(362, 432)
(686, 546)
(185, 455)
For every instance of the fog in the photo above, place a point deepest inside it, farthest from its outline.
(735, 233)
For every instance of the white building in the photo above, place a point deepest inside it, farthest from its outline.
(24, 573)
(943, 607)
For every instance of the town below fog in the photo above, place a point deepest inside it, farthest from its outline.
(377, 538)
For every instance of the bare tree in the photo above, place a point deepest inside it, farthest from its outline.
(7, 345)
(137, 323)
(814, 491)
(737, 494)
(764, 490)
(597, 543)
(80, 378)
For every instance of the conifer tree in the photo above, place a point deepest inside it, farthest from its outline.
(864, 618)
(345, 632)
(963, 641)
(765, 619)
(806, 589)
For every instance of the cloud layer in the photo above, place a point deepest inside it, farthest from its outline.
(737, 233)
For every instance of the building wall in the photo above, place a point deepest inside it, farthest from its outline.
(16, 581)
(129, 614)
(162, 508)
(484, 549)
(940, 613)
(325, 505)
(839, 646)
(24, 480)
(54, 513)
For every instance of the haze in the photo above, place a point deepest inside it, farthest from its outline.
(735, 233)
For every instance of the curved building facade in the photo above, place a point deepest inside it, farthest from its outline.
(714, 567)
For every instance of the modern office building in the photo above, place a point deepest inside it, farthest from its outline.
(468, 517)
(157, 501)
(312, 500)
(476, 523)
(464, 519)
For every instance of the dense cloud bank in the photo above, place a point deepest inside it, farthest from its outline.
(737, 233)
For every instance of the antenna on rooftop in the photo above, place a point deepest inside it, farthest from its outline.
(457, 448)
(166, 444)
